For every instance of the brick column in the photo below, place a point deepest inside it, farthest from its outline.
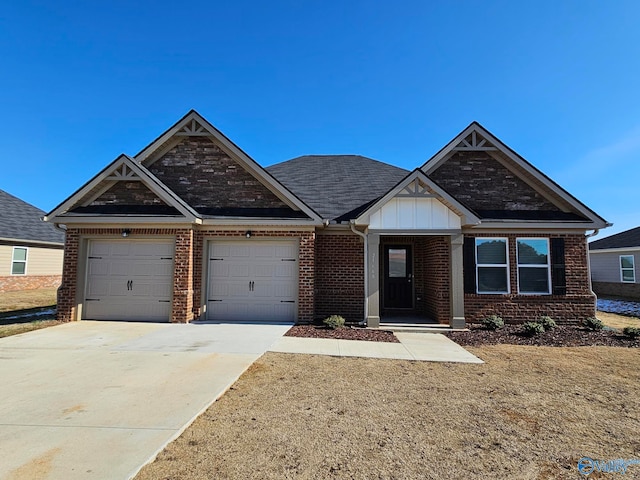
(182, 311)
(67, 308)
(306, 277)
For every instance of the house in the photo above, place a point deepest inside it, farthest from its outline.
(31, 250)
(193, 228)
(615, 264)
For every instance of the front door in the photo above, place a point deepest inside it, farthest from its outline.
(398, 276)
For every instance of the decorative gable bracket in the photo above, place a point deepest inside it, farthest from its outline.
(123, 173)
(193, 129)
(474, 143)
(416, 189)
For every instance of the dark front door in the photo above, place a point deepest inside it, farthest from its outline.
(398, 276)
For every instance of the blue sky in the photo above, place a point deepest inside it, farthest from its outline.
(559, 82)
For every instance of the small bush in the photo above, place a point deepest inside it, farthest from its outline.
(592, 323)
(334, 321)
(547, 322)
(631, 332)
(532, 328)
(493, 322)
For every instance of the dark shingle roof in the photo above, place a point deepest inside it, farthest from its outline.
(336, 184)
(628, 238)
(22, 221)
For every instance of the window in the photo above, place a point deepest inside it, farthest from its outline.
(534, 269)
(19, 261)
(492, 269)
(627, 269)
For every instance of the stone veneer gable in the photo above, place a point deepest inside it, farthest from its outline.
(203, 175)
(482, 183)
(128, 193)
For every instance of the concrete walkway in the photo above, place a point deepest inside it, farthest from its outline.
(97, 400)
(428, 347)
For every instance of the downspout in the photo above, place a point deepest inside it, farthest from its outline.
(352, 224)
(592, 234)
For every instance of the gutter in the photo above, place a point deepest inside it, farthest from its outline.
(590, 235)
(352, 225)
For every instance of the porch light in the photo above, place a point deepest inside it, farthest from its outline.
(126, 232)
(248, 234)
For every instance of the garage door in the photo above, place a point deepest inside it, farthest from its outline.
(253, 280)
(129, 280)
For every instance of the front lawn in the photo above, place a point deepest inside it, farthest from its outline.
(528, 412)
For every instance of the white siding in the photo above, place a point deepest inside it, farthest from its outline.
(414, 213)
(605, 267)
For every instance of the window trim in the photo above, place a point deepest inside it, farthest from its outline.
(622, 269)
(484, 265)
(528, 265)
(14, 261)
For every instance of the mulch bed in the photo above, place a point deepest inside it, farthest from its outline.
(346, 333)
(561, 336)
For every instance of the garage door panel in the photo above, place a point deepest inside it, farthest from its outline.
(129, 280)
(253, 280)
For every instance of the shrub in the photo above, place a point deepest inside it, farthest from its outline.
(493, 322)
(592, 323)
(631, 332)
(533, 328)
(334, 321)
(547, 322)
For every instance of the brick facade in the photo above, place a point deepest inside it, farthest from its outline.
(339, 276)
(482, 183)
(188, 263)
(617, 289)
(203, 175)
(576, 305)
(16, 283)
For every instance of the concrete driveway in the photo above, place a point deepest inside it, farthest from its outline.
(97, 400)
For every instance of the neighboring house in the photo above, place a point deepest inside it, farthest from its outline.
(193, 228)
(615, 264)
(31, 250)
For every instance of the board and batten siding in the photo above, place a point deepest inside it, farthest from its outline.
(605, 266)
(414, 213)
(40, 261)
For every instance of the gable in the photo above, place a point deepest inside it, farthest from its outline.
(127, 197)
(201, 173)
(499, 185)
(416, 203)
(487, 186)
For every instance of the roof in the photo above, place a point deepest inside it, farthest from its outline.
(22, 221)
(334, 185)
(626, 239)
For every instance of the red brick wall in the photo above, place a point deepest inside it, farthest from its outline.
(481, 182)
(339, 277)
(435, 253)
(16, 283)
(182, 310)
(67, 292)
(617, 289)
(306, 274)
(202, 174)
(576, 305)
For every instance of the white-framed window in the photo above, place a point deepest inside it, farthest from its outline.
(534, 266)
(492, 265)
(627, 269)
(19, 261)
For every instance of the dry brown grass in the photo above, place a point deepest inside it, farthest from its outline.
(614, 320)
(16, 328)
(27, 299)
(528, 413)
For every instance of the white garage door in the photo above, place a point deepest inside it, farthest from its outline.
(129, 280)
(253, 280)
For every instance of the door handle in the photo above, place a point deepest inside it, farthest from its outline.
(130, 285)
